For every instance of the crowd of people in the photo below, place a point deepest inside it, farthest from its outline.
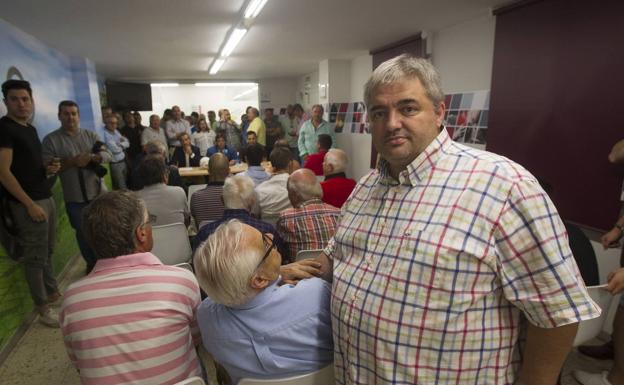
(443, 265)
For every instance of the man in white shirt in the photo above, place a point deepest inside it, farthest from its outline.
(176, 127)
(273, 194)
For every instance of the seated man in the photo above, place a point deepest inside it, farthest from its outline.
(166, 203)
(239, 199)
(315, 161)
(206, 204)
(221, 147)
(272, 194)
(251, 325)
(336, 186)
(252, 139)
(310, 224)
(154, 148)
(132, 320)
(186, 155)
(254, 154)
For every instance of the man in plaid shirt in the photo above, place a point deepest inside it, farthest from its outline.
(443, 253)
(310, 223)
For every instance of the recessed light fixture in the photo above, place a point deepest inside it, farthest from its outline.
(254, 8)
(216, 66)
(235, 37)
(164, 84)
(215, 84)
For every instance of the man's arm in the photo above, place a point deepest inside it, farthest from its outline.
(320, 266)
(8, 181)
(545, 352)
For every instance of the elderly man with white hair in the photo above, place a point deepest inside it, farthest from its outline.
(239, 200)
(310, 224)
(249, 323)
(336, 186)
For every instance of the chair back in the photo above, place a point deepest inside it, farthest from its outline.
(191, 381)
(191, 190)
(306, 254)
(323, 376)
(171, 243)
(591, 328)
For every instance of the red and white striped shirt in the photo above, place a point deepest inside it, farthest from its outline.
(132, 321)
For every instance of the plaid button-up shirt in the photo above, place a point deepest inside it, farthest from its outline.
(432, 273)
(307, 227)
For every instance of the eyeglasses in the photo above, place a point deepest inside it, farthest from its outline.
(151, 219)
(269, 245)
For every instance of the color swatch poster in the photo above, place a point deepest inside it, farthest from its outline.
(466, 117)
(349, 117)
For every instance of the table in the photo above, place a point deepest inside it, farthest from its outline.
(235, 169)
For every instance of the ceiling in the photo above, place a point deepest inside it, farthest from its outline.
(166, 40)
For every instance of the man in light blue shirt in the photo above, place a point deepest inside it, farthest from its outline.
(116, 144)
(311, 129)
(254, 154)
(251, 325)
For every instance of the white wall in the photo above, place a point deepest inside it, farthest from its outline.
(361, 69)
(307, 90)
(277, 92)
(463, 54)
(191, 98)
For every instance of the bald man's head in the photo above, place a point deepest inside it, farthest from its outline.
(335, 161)
(218, 167)
(303, 186)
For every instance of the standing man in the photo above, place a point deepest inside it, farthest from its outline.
(290, 124)
(176, 126)
(82, 154)
(116, 144)
(154, 132)
(30, 203)
(274, 130)
(132, 131)
(442, 250)
(311, 129)
(256, 125)
(229, 128)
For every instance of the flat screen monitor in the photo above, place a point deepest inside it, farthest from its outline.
(123, 96)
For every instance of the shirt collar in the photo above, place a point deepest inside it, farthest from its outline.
(259, 299)
(237, 213)
(131, 260)
(421, 166)
(310, 202)
(336, 175)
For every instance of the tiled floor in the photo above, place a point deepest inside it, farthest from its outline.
(40, 357)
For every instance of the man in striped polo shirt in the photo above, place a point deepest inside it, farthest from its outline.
(132, 319)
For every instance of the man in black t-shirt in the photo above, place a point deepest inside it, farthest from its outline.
(25, 184)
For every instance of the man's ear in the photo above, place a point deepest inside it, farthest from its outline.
(258, 282)
(141, 234)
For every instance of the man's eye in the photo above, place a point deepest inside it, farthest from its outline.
(408, 110)
(376, 115)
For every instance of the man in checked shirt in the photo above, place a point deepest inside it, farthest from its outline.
(443, 253)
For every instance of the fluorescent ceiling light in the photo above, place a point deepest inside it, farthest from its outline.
(164, 84)
(216, 66)
(215, 84)
(254, 8)
(246, 92)
(235, 37)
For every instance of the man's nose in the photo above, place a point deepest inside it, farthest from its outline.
(395, 119)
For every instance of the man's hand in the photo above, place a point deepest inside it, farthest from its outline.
(296, 271)
(615, 281)
(80, 160)
(36, 213)
(610, 239)
(53, 168)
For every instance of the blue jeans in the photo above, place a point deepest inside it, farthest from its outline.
(74, 212)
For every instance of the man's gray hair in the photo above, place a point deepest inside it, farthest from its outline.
(338, 159)
(109, 223)
(239, 193)
(305, 188)
(224, 265)
(405, 67)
